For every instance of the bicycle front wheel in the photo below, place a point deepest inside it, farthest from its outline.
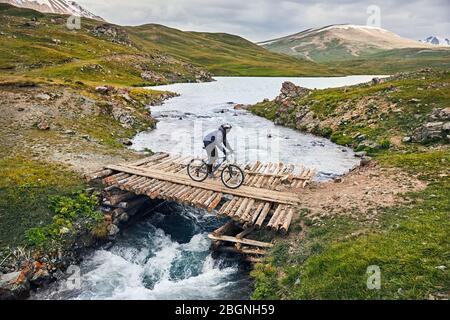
(197, 170)
(233, 177)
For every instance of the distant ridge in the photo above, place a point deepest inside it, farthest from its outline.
(339, 42)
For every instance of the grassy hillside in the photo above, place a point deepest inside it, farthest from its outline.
(39, 45)
(409, 242)
(398, 60)
(223, 54)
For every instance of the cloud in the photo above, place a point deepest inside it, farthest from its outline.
(265, 19)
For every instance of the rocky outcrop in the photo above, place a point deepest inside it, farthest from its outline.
(287, 101)
(152, 77)
(290, 91)
(436, 129)
(203, 76)
(305, 119)
(113, 33)
(124, 117)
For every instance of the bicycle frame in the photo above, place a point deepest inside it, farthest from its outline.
(220, 163)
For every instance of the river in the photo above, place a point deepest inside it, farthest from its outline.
(167, 254)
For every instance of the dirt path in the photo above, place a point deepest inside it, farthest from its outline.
(360, 194)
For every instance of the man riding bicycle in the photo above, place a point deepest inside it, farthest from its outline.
(214, 141)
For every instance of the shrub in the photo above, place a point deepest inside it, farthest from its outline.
(71, 215)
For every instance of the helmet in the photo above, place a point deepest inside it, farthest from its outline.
(227, 127)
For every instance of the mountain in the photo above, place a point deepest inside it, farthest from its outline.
(339, 42)
(223, 54)
(38, 45)
(54, 6)
(130, 56)
(437, 41)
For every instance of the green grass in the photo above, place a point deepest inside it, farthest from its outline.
(25, 189)
(429, 164)
(398, 60)
(411, 242)
(223, 54)
(409, 247)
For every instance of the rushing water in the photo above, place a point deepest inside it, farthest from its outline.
(167, 254)
(200, 108)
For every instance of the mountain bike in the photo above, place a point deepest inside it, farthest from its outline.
(232, 176)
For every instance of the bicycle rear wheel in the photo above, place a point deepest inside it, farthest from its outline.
(233, 177)
(197, 170)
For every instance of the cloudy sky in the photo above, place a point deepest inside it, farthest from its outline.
(259, 20)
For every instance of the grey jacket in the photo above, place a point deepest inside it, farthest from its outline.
(219, 139)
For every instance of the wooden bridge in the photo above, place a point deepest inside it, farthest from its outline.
(267, 199)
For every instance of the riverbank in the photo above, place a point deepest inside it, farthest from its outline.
(392, 213)
(350, 208)
(55, 134)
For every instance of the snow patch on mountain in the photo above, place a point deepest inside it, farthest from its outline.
(54, 6)
(437, 41)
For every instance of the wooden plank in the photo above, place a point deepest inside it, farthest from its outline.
(275, 216)
(194, 194)
(118, 176)
(116, 199)
(155, 157)
(226, 207)
(198, 199)
(215, 202)
(246, 214)
(287, 222)
(241, 209)
(242, 251)
(100, 174)
(141, 189)
(262, 217)
(245, 233)
(223, 230)
(278, 222)
(244, 191)
(256, 213)
(247, 242)
(235, 207)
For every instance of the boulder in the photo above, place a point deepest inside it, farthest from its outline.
(241, 107)
(113, 230)
(361, 154)
(446, 127)
(126, 142)
(14, 286)
(440, 115)
(407, 139)
(43, 96)
(125, 118)
(102, 89)
(152, 77)
(376, 81)
(203, 76)
(429, 132)
(43, 125)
